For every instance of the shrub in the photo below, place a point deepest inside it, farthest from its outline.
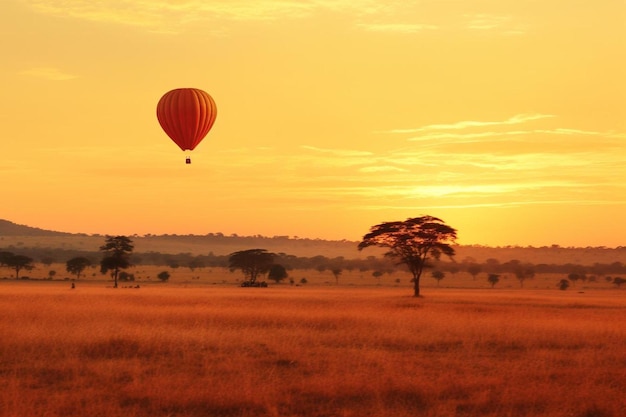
(563, 284)
(163, 276)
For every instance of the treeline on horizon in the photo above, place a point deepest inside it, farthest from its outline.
(48, 256)
(10, 229)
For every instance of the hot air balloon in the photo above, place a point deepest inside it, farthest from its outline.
(186, 115)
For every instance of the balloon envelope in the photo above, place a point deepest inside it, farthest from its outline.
(186, 115)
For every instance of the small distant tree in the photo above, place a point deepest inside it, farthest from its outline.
(573, 277)
(336, 273)
(438, 275)
(474, 269)
(117, 251)
(619, 281)
(493, 279)
(377, 274)
(277, 273)
(51, 273)
(252, 262)
(163, 276)
(77, 265)
(563, 284)
(412, 242)
(523, 274)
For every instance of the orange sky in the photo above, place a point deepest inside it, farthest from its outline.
(505, 118)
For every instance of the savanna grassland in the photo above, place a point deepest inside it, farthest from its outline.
(220, 350)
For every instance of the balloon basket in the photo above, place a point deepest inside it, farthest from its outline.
(187, 160)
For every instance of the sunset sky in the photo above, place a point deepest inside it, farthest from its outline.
(504, 118)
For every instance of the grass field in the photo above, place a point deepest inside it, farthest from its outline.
(216, 350)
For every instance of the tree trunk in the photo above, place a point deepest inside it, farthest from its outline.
(416, 286)
(115, 278)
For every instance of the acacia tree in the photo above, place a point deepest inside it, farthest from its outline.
(523, 274)
(17, 262)
(493, 279)
(252, 262)
(336, 273)
(77, 265)
(412, 242)
(117, 252)
(573, 277)
(474, 269)
(619, 281)
(438, 275)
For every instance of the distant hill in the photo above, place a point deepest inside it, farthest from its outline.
(8, 228)
(14, 237)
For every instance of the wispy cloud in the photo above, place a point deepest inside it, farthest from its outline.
(169, 16)
(48, 73)
(518, 162)
(513, 203)
(506, 147)
(122, 11)
(313, 177)
(514, 120)
(382, 168)
(481, 193)
(503, 24)
(395, 20)
(487, 21)
(163, 14)
(338, 152)
(476, 190)
(481, 136)
(396, 27)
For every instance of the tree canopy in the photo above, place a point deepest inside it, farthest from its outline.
(277, 273)
(77, 265)
(412, 242)
(252, 262)
(16, 262)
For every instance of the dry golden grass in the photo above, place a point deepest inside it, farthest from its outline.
(167, 350)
